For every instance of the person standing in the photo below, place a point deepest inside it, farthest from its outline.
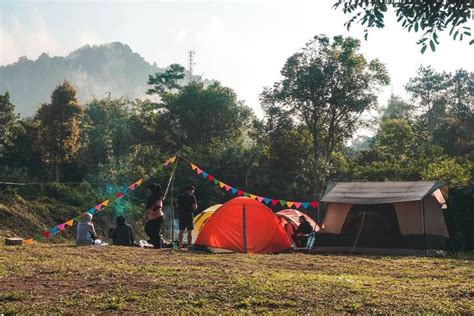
(154, 215)
(187, 204)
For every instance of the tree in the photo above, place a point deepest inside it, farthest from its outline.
(198, 115)
(397, 108)
(59, 127)
(166, 81)
(327, 86)
(430, 17)
(8, 124)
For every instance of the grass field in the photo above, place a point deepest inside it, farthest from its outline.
(67, 279)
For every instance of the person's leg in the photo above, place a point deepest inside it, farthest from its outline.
(296, 240)
(190, 237)
(159, 222)
(180, 238)
(148, 231)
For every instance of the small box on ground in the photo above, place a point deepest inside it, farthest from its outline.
(13, 241)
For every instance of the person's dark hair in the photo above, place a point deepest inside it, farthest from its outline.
(303, 218)
(120, 220)
(190, 187)
(156, 194)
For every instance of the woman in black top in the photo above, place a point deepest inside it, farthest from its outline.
(154, 214)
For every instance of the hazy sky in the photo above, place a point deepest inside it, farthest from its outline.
(243, 44)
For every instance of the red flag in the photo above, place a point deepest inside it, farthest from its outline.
(119, 194)
(314, 204)
(45, 234)
(210, 178)
(240, 192)
(274, 202)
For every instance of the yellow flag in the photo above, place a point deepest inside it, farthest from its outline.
(172, 159)
(194, 167)
(139, 182)
(69, 222)
(28, 241)
(221, 184)
(105, 203)
(290, 204)
(253, 197)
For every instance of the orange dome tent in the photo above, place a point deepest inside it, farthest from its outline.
(244, 225)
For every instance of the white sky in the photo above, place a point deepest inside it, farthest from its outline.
(243, 44)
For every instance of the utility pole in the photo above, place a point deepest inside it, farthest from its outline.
(191, 54)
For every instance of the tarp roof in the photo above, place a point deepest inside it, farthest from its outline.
(379, 192)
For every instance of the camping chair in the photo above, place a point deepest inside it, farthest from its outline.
(310, 241)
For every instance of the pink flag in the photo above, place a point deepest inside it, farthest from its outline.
(259, 198)
(297, 204)
(61, 226)
(98, 207)
(199, 171)
(227, 187)
(132, 186)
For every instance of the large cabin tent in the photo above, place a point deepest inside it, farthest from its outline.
(384, 217)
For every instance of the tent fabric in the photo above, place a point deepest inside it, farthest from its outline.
(379, 192)
(293, 216)
(201, 219)
(244, 225)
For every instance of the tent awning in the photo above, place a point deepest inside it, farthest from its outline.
(379, 192)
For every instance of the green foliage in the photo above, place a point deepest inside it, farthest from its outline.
(448, 170)
(460, 217)
(429, 17)
(397, 108)
(8, 121)
(82, 196)
(329, 111)
(59, 127)
(166, 81)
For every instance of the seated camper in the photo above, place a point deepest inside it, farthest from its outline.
(85, 231)
(300, 235)
(122, 234)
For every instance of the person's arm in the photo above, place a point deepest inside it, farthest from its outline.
(92, 232)
(132, 238)
(194, 205)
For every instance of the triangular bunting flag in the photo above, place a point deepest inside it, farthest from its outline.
(253, 197)
(132, 186)
(166, 163)
(305, 204)
(216, 182)
(204, 174)
(274, 202)
(199, 171)
(119, 195)
(194, 167)
(172, 159)
(105, 203)
(28, 241)
(290, 204)
(210, 178)
(267, 201)
(91, 211)
(228, 187)
(125, 190)
(234, 190)
(240, 192)
(314, 204)
(53, 230)
(297, 204)
(282, 202)
(61, 226)
(246, 194)
(260, 199)
(77, 219)
(139, 182)
(98, 207)
(38, 238)
(221, 184)
(69, 222)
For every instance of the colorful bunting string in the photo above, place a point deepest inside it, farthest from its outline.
(99, 207)
(261, 199)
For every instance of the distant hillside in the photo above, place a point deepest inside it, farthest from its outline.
(93, 70)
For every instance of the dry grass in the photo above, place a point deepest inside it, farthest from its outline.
(67, 279)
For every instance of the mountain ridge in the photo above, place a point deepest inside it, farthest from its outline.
(95, 70)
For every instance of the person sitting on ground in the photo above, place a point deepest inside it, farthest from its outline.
(187, 204)
(122, 234)
(300, 235)
(86, 235)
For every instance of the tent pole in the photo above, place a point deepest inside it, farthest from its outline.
(358, 234)
(244, 226)
(424, 224)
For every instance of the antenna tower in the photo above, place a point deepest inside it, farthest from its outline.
(191, 54)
